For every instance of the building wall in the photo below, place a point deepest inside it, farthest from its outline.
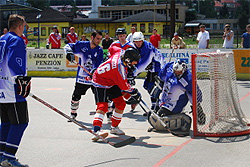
(46, 29)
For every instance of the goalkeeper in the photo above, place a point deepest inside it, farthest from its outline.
(175, 83)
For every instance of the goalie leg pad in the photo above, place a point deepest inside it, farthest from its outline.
(119, 103)
(177, 122)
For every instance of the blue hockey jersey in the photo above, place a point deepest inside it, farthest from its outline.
(89, 58)
(176, 91)
(13, 63)
(149, 54)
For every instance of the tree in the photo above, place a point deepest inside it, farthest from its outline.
(243, 13)
(190, 15)
(40, 4)
(224, 12)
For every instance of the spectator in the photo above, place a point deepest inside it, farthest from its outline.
(5, 30)
(84, 38)
(130, 36)
(71, 37)
(203, 38)
(15, 86)
(177, 42)
(54, 39)
(245, 40)
(155, 39)
(228, 37)
(107, 41)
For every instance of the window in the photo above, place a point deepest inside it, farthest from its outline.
(177, 14)
(126, 13)
(105, 14)
(116, 15)
(43, 31)
(64, 31)
(234, 26)
(142, 28)
(221, 26)
(150, 27)
(49, 30)
(36, 31)
(214, 26)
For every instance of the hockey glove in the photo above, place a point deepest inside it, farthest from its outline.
(23, 84)
(70, 57)
(47, 46)
(135, 97)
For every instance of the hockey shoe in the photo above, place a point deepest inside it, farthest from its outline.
(12, 163)
(109, 120)
(103, 134)
(73, 116)
(109, 115)
(116, 131)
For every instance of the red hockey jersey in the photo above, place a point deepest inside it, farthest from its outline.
(112, 72)
(55, 40)
(72, 38)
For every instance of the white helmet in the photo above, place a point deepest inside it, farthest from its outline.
(138, 36)
(179, 66)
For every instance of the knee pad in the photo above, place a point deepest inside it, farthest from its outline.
(119, 102)
(76, 97)
(103, 106)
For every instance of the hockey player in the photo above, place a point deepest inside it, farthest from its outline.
(54, 39)
(90, 56)
(71, 37)
(175, 84)
(121, 34)
(14, 87)
(151, 61)
(109, 80)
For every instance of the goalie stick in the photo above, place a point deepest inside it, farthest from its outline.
(175, 133)
(116, 145)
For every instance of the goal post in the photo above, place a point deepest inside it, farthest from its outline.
(215, 96)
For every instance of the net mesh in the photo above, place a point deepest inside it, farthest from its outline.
(216, 80)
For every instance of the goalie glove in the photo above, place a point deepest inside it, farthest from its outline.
(135, 97)
(70, 56)
(23, 85)
(156, 90)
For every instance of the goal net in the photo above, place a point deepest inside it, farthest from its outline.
(216, 105)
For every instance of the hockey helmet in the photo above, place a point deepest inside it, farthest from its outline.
(138, 36)
(131, 54)
(179, 67)
(121, 31)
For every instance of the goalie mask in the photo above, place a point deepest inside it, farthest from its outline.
(179, 68)
(130, 55)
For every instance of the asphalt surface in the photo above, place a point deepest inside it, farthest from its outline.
(51, 141)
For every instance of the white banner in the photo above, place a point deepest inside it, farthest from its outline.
(48, 60)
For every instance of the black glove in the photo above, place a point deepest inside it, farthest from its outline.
(24, 84)
(66, 41)
(70, 56)
(135, 97)
(47, 46)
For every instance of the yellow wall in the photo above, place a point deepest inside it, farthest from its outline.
(47, 27)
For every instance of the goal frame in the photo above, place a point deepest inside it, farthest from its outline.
(194, 103)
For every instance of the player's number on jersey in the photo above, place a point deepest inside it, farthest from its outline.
(103, 69)
(2, 47)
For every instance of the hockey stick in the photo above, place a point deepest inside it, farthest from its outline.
(175, 133)
(116, 145)
(171, 54)
(84, 68)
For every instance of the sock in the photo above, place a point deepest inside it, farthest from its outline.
(97, 128)
(116, 119)
(98, 119)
